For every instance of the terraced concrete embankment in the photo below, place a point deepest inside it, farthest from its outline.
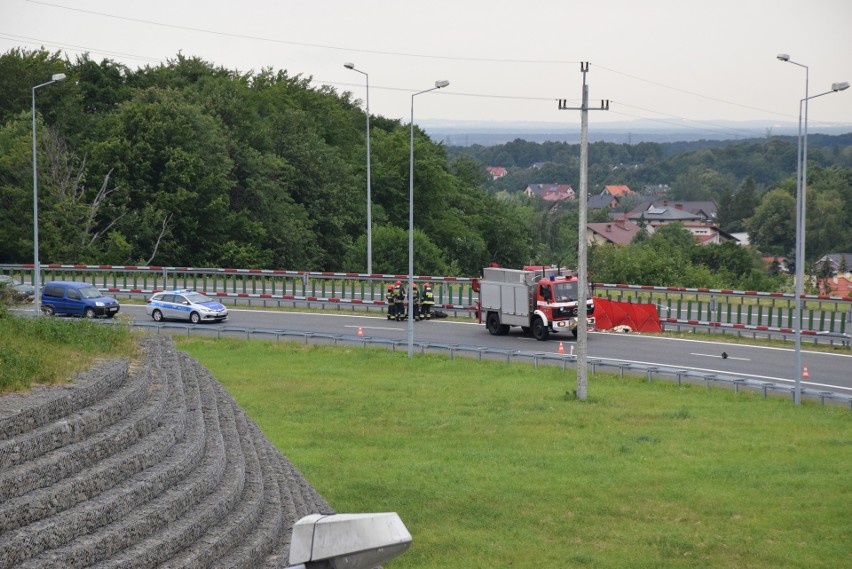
(141, 466)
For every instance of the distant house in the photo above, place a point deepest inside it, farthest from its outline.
(538, 165)
(616, 191)
(598, 201)
(837, 263)
(496, 171)
(709, 234)
(661, 215)
(705, 209)
(551, 192)
(618, 232)
(742, 238)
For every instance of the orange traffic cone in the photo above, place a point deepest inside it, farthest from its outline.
(805, 374)
(561, 348)
(360, 332)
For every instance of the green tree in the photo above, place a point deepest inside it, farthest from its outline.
(16, 194)
(745, 202)
(20, 71)
(172, 162)
(390, 253)
(772, 228)
(700, 183)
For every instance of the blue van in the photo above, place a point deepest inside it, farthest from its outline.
(83, 299)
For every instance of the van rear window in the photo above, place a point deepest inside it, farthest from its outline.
(55, 291)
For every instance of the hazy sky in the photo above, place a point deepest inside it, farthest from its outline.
(673, 61)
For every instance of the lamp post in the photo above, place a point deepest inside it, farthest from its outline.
(369, 199)
(438, 85)
(801, 195)
(36, 267)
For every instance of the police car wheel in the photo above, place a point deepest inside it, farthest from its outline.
(194, 318)
(157, 316)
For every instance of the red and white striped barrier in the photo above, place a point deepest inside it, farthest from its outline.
(420, 278)
(265, 296)
(756, 328)
(228, 271)
(729, 292)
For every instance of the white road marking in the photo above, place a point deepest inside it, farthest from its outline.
(723, 357)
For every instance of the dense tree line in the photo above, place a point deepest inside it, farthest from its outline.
(190, 164)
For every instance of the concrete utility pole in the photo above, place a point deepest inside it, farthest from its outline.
(582, 260)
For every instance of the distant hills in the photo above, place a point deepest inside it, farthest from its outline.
(490, 133)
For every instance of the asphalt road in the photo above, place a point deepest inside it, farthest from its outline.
(827, 370)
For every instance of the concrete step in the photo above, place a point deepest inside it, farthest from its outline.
(177, 528)
(51, 516)
(182, 479)
(67, 460)
(232, 529)
(23, 412)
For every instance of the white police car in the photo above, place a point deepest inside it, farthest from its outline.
(185, 305)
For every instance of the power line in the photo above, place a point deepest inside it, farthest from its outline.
(395, 53)
(681, 124)
(693, 93)
(711, 127)
(17, 38)
(402, 54)
(300, 44)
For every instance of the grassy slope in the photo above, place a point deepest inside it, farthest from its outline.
(49, 350)
(490, 465)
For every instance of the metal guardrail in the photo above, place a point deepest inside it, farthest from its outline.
(819, 312)
(688, 305)
(679, 374)
(768, 332)
(352, 287)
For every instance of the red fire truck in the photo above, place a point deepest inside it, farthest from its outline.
(541, 301)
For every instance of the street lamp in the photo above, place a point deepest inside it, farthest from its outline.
(438, 85)
(801, 194)
(36, 267)
(369, 199)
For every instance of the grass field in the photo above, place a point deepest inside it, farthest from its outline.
(49, 350)
(493, 465)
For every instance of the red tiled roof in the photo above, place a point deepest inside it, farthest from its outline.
(615, 232)
(618, 190)
(551, 192)
(837, 286)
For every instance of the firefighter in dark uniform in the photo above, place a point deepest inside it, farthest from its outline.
(389, 300)
(415, 301)
(428, 302)
(398, 301)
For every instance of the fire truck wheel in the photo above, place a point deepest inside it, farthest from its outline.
(539, 330)
(494, 326)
